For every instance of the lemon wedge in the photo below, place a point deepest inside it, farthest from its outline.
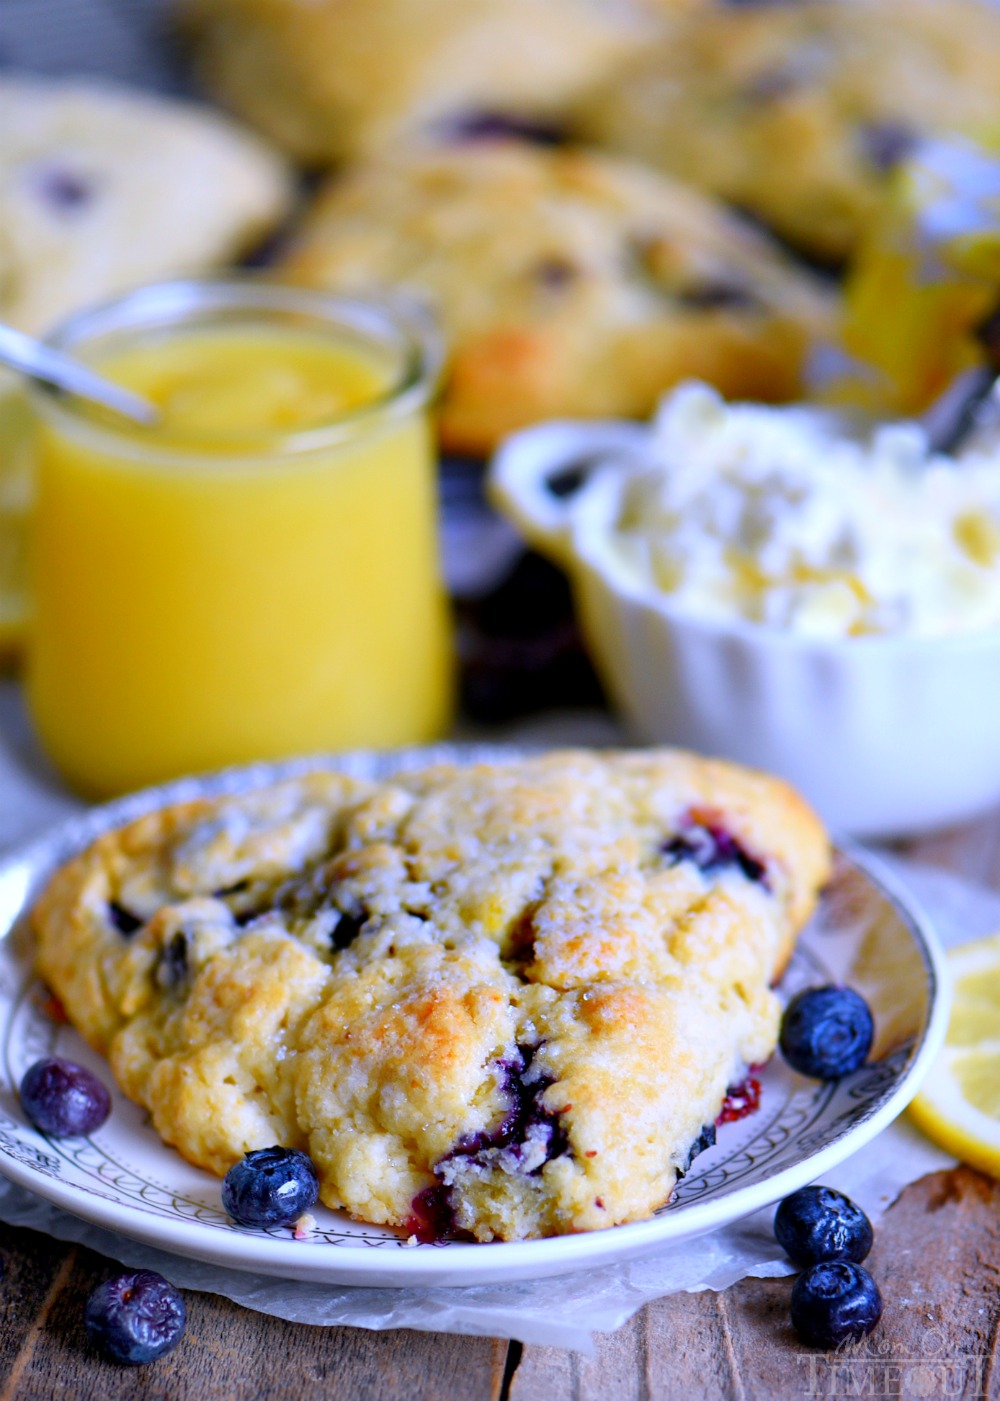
(959, 1102)
(15, 506)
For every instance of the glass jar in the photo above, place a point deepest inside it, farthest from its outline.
(244, 580)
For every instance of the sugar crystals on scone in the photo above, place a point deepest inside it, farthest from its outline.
(499, 1000)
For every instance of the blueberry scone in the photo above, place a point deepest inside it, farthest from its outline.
(102, 189)
(567, 283)
(503, 1001)
(799, 112)
(336, 79)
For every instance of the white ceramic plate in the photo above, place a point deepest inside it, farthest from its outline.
(867, 933)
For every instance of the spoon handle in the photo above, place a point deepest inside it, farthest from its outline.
(971, 403)
(40, 362)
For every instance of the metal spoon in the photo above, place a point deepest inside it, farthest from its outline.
(971, 403)
(40, 362)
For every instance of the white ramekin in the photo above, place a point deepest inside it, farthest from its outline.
(886, 736)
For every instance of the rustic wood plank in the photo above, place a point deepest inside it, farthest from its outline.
(228, 1353)
(33, 1271)
(971, 850)
(617, 1370)
(937, 1261)
(942, 1305)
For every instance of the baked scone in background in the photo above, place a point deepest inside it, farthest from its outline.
(566, 282)
(798, 112)
(504, 1000)
(103, 188)
(336, 79)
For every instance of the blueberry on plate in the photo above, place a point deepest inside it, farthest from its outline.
(135, 1317)
(62, 1098)
(270, 1187)
(833, 1302)
(826, 1032)
(818, 1223)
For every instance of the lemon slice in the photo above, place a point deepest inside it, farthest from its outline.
(15, 506)
(959, 1102)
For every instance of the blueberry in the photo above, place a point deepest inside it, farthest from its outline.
(817, 1223)
(834, 1301)
(493, 126)
(63, 1099)
(172, 967)
(135, 1317)
(347, 929)
(270, 1187)
(826, 1032)
(712, 849)
(124, 920)
(718, 295)
(64, 189)
(888, 144)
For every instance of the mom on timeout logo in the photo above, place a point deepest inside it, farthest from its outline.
(936, 1370)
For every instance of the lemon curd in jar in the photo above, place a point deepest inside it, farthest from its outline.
(255, 576)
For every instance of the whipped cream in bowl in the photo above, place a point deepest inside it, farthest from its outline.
(782, 588)
(779, 517)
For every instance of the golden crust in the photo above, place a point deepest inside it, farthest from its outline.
(796, 111)
(525, 986)
(338, 79)
(567, 283)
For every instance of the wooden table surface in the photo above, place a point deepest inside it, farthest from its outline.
(936, 1259)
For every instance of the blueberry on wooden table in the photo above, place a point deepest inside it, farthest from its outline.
(63, 1099)
(834, 1302)
(135, 1317)
(817, 1223)
(270, 1187)
(826, 1032)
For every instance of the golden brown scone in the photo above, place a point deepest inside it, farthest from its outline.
(567, 283)
(504, 1000)
(335, 79)
(799, 111)
(103, 189)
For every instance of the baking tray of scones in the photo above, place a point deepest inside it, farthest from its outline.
(516, 1008)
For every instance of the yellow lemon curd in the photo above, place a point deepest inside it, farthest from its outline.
(254, 577)
(925, 276)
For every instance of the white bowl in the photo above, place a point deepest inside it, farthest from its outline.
(886, 736)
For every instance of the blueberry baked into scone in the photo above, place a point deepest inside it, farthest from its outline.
(102, 189)
(496, 1000)
(799, 112)
(566, 282)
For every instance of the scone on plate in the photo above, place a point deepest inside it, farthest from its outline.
(500, 1000)
(799, 112)
(335, 79)
(567, 283)
(102, 189)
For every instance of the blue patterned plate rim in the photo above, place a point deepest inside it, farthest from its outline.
(815, 1128)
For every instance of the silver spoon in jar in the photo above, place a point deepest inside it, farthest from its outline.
(40, 362)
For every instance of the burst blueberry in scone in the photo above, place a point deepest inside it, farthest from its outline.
(103, 188)
(800, 112)
(567, 283)
(498, 1000)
